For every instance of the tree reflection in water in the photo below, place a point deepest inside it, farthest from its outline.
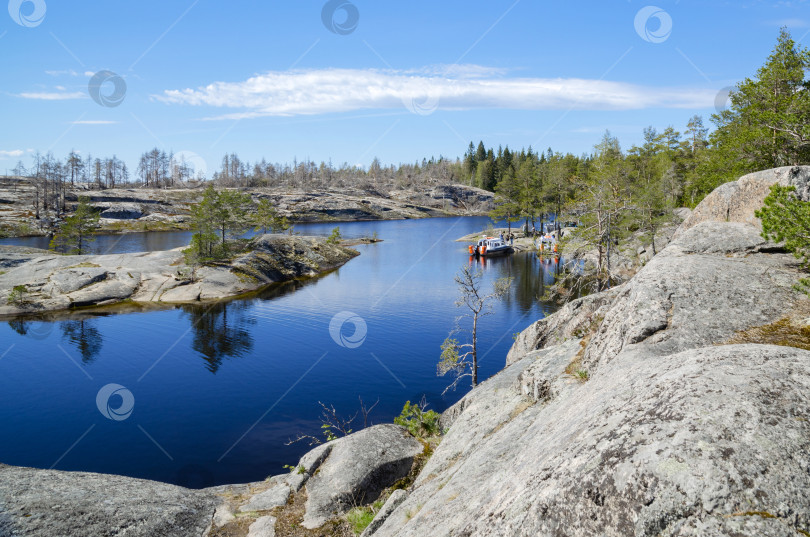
(222, 329)
(527, 288)
(84, 336)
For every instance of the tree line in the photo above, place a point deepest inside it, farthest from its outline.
(612, 192)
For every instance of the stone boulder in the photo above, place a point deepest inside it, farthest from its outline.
(737, 201)
(49, 503)
(355, 469)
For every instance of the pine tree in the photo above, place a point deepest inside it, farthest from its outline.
(507, 193)
(786, 218)
(266, 217)
(74, 233)
(767, 123)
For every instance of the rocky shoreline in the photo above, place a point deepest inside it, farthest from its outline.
(124, 210)
(644, 410)
(66, 282)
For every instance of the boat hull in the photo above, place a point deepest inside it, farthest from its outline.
(497, 252)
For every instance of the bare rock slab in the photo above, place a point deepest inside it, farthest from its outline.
(269, 499)
(263, 527)
(49, 503)
(706, 442)
(393, 501)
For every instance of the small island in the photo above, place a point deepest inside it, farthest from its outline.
(48, 282)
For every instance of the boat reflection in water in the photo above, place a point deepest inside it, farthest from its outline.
(527, 288)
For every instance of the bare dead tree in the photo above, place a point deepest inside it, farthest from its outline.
(334, 425)
(453, 360)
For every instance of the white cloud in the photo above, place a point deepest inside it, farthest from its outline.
(53, 96)
(308, 92)
(790, 23)
(69, 72)
(12, 153)
(94, 122)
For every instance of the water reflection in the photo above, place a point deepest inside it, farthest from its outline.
(31, 329)
(84, 336)
(221, 330)
(20, 326)
(532, 275)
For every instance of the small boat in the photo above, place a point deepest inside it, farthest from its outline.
(490, 247)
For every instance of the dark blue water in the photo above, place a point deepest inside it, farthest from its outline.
(218, 390)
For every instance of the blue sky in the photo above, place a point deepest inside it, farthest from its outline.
(349, 80)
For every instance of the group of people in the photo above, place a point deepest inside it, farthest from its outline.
(508, 237)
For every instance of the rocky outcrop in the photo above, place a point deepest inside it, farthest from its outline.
(574, 320)
(455, 198)
(329, 480)
(356, 469)
(708, 284)
(122, 211)
(334, 477)
(737, 201)
(705, 442)
(47, 503)
(57, 282)
(136, 209)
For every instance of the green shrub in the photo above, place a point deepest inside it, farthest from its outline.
(419, 422)
(786, 219)
(17, 296)
(335, 237)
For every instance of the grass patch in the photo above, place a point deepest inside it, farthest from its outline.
(290, 517)
(360, 517)
(419, 462)
(575, 368)
(18, 229)
(785, 332)
(410, 513)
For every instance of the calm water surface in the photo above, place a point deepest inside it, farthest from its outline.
(218, 391)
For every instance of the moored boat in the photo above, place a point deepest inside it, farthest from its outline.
(490, 247)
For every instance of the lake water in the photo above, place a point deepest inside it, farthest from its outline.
(211, 394)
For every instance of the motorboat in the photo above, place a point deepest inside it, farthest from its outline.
(490, 247)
